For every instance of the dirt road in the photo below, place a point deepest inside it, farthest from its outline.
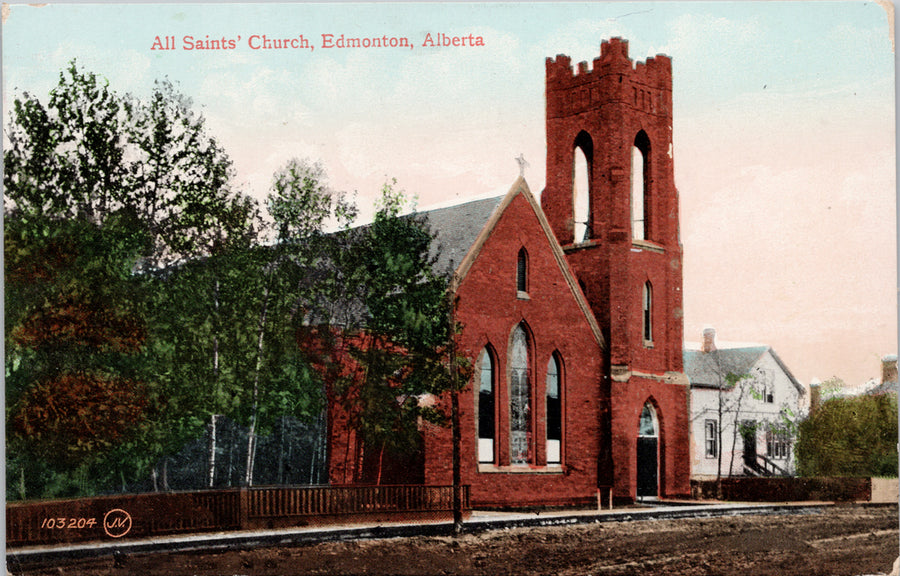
(845, 540)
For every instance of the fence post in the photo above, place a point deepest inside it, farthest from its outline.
(244, 508)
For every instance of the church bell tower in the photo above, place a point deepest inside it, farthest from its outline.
(609, 128)
(627, 253)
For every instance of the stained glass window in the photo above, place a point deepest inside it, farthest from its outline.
(519, 399)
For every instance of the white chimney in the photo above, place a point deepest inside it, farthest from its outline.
(815, 395)
(709, 340)
(889, 368)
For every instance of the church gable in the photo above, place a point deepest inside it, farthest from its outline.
(516, 257)
(533, 403)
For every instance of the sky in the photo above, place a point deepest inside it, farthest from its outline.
(784, 128)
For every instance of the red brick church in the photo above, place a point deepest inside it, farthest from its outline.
(571, 310)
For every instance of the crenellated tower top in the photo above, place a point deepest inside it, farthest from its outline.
(613, 59)
(647, 84)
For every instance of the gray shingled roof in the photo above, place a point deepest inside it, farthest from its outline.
(884, 388)
(708, 369)
(457, 228)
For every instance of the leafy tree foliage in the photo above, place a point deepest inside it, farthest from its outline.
(398, 354)
(301, 203)
(90, 153)
(224, 344)
(855, 436)
(99, 186)
(143, 306)
(74, 333)
(228, 323)
(67, 159)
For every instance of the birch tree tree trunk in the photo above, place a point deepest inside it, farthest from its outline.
(281, 452)
(211, 461)
(251, 435)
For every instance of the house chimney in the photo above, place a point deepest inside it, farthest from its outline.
(889, 368)
(815, 397)
(709, 340)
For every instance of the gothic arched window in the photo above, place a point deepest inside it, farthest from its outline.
(522, 271)
(486, 407)
(648, 426)
(519, 399)
(554, 411)
(581, 187)
(647, 307)
(640, 187)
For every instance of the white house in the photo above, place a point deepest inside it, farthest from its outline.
(744, 402)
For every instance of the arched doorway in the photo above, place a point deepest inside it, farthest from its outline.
(648, 453)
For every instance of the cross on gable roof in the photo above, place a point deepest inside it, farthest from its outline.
(461, 230)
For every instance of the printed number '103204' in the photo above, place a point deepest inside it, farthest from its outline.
(68, 523)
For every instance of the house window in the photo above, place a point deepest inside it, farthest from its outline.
(768, 388)
(486, 408)
(519, 399)
(712, 439)
(648, 317)
(778, 445)
(554, 413)
(522, 272)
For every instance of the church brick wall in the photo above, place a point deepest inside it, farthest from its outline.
(670, 401)
(489, 310)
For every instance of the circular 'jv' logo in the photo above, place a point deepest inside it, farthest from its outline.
(117, 523)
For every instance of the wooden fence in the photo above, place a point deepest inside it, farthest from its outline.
(143, 515)
(779, 489)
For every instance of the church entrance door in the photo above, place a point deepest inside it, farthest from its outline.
(648, 454)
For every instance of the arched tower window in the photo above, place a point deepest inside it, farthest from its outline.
(554, 411)
(486, 407)
(522, 271)
(519, 399)
(640, 187)
(581, 187)
(647, 307)
(648, 427)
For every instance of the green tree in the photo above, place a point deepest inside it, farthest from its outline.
(232, 347)
(96, 165)
(855, 436)
(400, 353)
(302, 204)
(74, 333)
(67, 160)
(91, 152)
